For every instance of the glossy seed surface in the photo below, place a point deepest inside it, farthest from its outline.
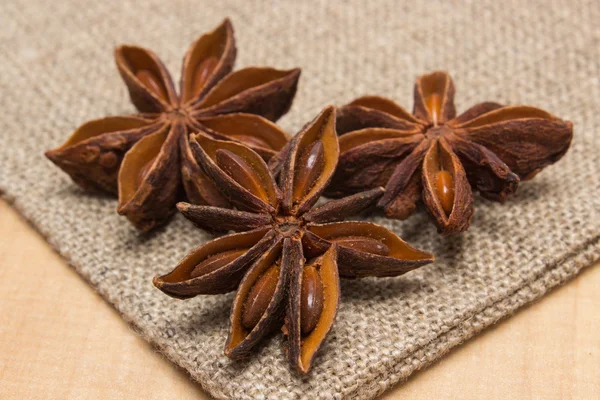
(152, 83)
(241, 172)
(364, 243)
(445, 190)
(215, 262)
(203, 71)
(311, 299)
(308, 168)
(259, 297)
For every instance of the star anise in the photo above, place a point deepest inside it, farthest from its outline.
(146, 158)
(434, 155)
(287, 261)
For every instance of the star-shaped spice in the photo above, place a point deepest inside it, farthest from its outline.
(434, 155)
(287, 260)
(146, 158)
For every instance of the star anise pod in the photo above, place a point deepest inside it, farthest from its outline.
(146, 158)
(434, 155)
(287, 260)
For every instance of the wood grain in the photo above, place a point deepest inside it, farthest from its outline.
(60, 340)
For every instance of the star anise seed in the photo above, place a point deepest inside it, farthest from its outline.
(146, 158)
(287, 257)
(435, 156)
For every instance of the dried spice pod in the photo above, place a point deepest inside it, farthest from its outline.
(439, 157)
(93, 154)
(184, 282)
(312, 305)
(251, 188)
(242, 338)
(147, 159)
(291, 275)
(365, 249)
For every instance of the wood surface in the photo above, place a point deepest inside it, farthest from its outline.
(60, 340)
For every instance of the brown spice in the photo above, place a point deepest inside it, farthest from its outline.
(289, 275)
(438, 157)
(146, 158)
(311, 299)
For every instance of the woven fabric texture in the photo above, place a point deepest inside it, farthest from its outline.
(57, 71)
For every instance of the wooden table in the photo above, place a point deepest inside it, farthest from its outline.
(60, 340)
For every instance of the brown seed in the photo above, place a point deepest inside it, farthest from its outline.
(252, 140)
(143, 172)
(203, 71)
(149, 80)
(215, 262)
(434, 104)
(363, 243)
(240, 171)
(311, 299)
(259, 297)
(308, 169)
(445, 190)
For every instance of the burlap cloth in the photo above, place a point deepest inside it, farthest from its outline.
(57, 71)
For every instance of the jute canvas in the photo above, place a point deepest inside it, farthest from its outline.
(57, 71)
